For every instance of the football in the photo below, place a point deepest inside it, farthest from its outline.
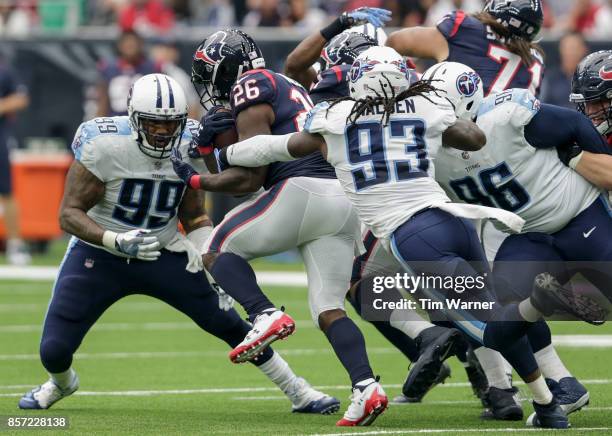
(229, 137)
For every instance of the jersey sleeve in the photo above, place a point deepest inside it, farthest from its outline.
(451, 23)
(324, 119)
(517, 105)
(255, 87)
(555, 126)
(85, 152)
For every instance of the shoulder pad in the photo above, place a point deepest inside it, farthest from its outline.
(254, 87)
(521, 105)
(453, 22)
(327, 119)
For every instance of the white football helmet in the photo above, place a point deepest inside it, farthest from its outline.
(368, 29)
(378, 72)
(462, 85)
(157, 108)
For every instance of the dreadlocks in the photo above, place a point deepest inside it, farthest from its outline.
(364, 105)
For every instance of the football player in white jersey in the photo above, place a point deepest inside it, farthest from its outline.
(122, 204)
(366, 139)
(519, 171)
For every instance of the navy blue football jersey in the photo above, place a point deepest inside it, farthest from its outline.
(290, 103)
(333, 83)
(474, 44)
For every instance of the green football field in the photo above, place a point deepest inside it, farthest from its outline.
(146, 369)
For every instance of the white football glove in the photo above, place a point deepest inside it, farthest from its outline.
(134, 243)
(225, 301)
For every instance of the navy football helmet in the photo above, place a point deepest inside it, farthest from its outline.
(219, 61)
(592, 87)
(522, 18)
(344, 48)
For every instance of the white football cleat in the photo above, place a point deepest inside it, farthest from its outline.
(366, 404)
(267, 328)
(305, 399)
(47, 394)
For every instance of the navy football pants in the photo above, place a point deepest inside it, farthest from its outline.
(90, 280)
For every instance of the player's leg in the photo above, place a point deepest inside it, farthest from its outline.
(519, 260)
(450, 242)
(266, 225)
(88, 282)
(191, 294)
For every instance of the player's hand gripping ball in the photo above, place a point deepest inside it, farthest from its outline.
(217, 130)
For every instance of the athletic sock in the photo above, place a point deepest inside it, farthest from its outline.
(528, 312)
(349, 345)
(539, 391)
(493, 365)
(550, 364)
(409, 322)
(279, 372)
(64, 379)
(237, 278)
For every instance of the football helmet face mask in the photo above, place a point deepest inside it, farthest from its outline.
(592, 89)
(378, 72)
(522, 18)
(461, 85)
(157, 109)
(219, 61)
(344, 48)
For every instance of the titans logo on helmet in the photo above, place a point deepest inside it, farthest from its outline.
(467, 84)
(360, 67)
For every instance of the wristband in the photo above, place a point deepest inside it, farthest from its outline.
(573, 163)
(205, 150)
(108, 239)
(335, 28)
(194, 182)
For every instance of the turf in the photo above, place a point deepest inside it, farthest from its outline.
(142, 345)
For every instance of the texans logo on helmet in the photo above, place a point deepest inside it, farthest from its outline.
(605, 74)
(211, 53)
(467, 84)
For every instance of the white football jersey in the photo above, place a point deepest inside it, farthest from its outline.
(510, 174)
(386, 172)
(140, 191)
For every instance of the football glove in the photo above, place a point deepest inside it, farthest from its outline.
(570, 155)
(375, 16)
(211, 124)
(134, 243)
(183, 170)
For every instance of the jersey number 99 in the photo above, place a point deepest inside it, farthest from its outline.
(135, 200)
(366, 150)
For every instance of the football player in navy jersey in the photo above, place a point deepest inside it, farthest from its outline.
(497, 43)
(302, 206)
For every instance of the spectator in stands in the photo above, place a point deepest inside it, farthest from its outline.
(147, 17)
(216, 13)
(602, 27)
(264, 13)
(166, 55)
(557, 82)
(13, 98)
(581, 17)
(439, 9)
(303, 14)
(117, 75)
(15, 19)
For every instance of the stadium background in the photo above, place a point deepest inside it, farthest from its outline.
(145, 368)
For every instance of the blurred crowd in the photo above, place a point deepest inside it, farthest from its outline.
(18, 18)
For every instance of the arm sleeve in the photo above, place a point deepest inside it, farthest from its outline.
(255, 87)
(555, 126)
(258, 151)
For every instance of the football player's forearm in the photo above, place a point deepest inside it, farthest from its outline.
(300, 60)
(192, 211)
(596, 168)
(13, 103)
(257, 151)
(421, 42)
(76, 222)
(231, 181)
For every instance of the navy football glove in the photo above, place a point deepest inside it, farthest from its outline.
(375, 16)
(185, 171)
(211, 124)
(568, 153)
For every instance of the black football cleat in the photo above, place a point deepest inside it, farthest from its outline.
(445, 372)
(502, 405)
(435, 344)
(548, 416)
(570, 393)
(548, 297)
